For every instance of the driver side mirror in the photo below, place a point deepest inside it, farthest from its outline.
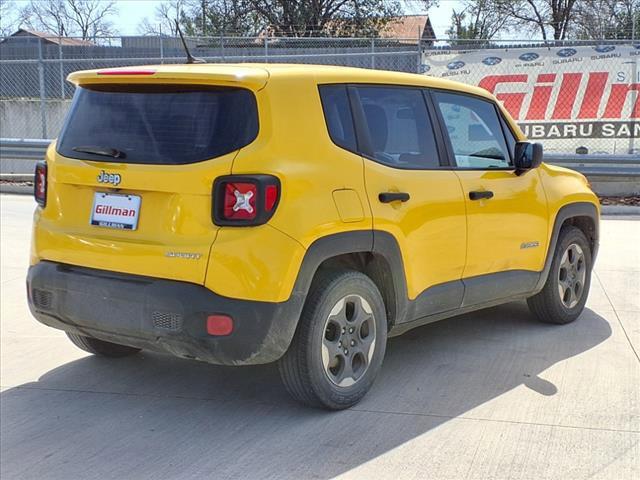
(527, 156)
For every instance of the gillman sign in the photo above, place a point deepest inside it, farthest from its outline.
(587, 96)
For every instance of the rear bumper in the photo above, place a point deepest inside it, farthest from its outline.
(161, 315)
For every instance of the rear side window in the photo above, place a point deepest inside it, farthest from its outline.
(158, 124)
(400, 129)
(337, 114)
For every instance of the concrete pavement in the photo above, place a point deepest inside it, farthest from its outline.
(490, 395)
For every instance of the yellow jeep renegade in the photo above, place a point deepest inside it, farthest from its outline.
(245, 214)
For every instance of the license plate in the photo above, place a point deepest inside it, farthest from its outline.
(115, 211)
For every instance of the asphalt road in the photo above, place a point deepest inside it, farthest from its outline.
(490, 395)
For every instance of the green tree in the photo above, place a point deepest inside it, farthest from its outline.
(298, 18)
(478, 20)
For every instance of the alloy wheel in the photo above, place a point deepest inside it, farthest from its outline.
(348, 342)
(571, 275)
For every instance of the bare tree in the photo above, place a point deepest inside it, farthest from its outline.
(602, 19)
(8, 20)
(425, 4)
(164, 21)
(83, 18)
(91, 17)
(48, 16)
(479, 20)
(558, 15)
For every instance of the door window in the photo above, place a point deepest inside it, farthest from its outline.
(474, 130)
(399, 127)
(511, 139)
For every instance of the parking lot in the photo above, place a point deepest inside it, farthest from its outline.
(489, 395)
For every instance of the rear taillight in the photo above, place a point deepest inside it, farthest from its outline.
(40, 184)
(246, 200)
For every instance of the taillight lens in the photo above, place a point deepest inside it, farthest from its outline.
(240, 201)
(40, 184)
(245, 200)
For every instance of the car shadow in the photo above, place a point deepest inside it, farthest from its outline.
(155, 416)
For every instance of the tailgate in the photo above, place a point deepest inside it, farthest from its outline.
(174, 231)
(130, 179)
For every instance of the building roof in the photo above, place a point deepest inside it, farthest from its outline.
(52, 38)
(408, 27)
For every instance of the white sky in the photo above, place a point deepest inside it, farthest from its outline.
(132, 12)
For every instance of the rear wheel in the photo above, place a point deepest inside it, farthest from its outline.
(340, 343)
(565, 292)
(100, 347)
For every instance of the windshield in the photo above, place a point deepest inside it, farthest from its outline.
(166, 124)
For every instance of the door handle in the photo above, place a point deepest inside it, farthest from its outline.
(388, 197)
(480, 195)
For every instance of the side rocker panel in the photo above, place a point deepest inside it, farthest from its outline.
(522, 284)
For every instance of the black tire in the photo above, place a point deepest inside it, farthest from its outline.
(548, 305)
(308, 375)
(100, 347)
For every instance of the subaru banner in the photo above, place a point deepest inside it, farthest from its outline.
(581, 98)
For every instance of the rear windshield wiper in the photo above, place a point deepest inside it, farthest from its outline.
(102, 151)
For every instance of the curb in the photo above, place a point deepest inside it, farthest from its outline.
(620, 210)
(16, 188)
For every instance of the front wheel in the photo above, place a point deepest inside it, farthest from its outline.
(340, 342)
(565, 292)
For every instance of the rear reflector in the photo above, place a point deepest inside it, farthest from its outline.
(40, 184)
(126, 72)
(219, 325)
(270, 197)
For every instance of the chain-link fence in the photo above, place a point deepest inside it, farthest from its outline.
(572, 96)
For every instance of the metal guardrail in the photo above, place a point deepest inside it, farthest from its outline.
(591, 165)
(23, 149)
(598, 165)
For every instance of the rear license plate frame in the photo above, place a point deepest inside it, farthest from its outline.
(119, 211)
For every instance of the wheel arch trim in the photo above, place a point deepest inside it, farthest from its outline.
(567, 212)
(382, 245)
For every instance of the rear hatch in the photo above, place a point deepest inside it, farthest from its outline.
(131, 176)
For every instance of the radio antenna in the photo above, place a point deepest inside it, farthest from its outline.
(190, 58)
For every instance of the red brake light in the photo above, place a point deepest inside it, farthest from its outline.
(40, 184)
(126, 72)
(245, 200)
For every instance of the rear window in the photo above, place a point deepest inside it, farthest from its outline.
(158, 124)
